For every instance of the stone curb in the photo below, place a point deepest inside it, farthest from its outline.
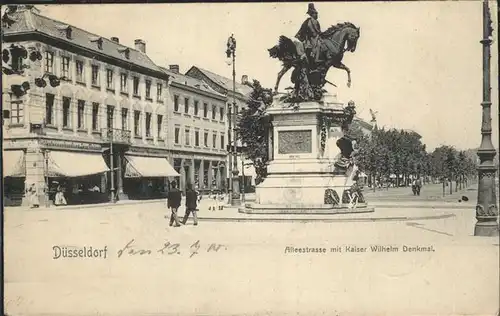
(313, 218)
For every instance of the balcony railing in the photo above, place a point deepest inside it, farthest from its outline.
(116, 135)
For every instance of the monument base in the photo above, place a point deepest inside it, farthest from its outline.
(301, 176)
(311, 188)
(254, 208)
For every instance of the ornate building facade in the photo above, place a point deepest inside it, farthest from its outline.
(114, 109)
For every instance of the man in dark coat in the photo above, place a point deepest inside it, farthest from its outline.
(309, 33)
(173, 202)
(191, 204)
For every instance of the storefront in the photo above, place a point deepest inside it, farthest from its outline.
(80, 176)
(147, 177)
(205, 173)
(77, 168)
(14, 173)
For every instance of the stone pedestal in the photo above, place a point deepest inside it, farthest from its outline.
(302, 169)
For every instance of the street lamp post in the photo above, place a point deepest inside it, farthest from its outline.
(233, 164)
(46, 176)
(486, 208)
(243, 185)
(230, 156)
(112, 165)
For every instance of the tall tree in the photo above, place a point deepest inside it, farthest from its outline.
(253, 129)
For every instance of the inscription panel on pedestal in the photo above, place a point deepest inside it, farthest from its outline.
(295, 142)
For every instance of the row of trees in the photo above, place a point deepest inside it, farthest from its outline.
(383, 155)
(392, 153)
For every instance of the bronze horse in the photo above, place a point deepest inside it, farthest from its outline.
(334, 42)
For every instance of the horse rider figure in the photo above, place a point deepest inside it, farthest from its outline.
(309, 34)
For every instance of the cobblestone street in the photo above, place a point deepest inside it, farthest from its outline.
(227, 267)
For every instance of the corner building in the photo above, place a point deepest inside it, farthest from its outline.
(197, 131)
(112, 98)
(239, 96)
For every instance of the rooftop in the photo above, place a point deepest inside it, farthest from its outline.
(363, 123)
(224, 82)
(182, 79)
(27, 20)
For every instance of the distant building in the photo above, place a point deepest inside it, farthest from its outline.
(224, 85)
(197, 131)
(364, 126)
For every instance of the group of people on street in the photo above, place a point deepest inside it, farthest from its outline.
(193, 197)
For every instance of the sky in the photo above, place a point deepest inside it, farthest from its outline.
(418, 64)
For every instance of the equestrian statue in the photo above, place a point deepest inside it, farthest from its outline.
(312, 55)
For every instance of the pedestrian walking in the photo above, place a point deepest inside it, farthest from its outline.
(212, 200)
(418, 186)
(198, 193)
(191, 205)
(33, 196)
(220, 198)
(173, 202)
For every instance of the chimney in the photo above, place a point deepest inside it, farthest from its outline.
(174, 68)
(140, 45)
(244, 79)
(116, 40)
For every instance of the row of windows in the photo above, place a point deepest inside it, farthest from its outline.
(187, 138)
(81, 120)
(196, 108)
(95, 78)
(110, 119)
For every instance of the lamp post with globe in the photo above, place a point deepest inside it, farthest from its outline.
(233, 189)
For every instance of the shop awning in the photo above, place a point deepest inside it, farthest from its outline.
(13, 163)
(148, 167)
(73, 164)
